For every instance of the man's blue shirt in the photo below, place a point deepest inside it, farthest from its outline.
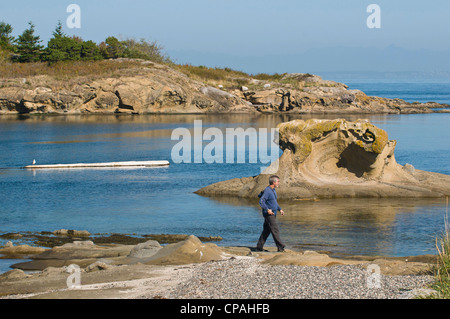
(268, 200)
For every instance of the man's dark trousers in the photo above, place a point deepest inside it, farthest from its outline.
(270, 227)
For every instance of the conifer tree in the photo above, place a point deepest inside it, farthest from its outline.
(6, 40)
(28, 45)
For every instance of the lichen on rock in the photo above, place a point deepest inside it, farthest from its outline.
(335, 159)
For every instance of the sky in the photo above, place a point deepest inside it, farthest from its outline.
(258, 36)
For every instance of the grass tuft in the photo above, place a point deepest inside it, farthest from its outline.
(442, 272)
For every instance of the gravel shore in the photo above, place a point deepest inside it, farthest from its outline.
(246, 277)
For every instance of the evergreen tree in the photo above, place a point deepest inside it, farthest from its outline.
(28, 46)
(6, 40)
(114, 48)
(57, 46)
(62, 48)
(90, 51)
(59, 33)
(73, 48)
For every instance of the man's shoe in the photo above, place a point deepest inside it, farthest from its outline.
(260, 249)
(281, 250)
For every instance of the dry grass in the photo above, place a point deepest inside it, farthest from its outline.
(214, 76)
(63, 75)
(442, 277)
(64, 70)
(67, 74)
(229, 78)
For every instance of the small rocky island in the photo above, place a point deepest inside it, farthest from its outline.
(336, 159)
(140, 87)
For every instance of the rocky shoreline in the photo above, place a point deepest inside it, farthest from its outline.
(190, 268)
(145, 87)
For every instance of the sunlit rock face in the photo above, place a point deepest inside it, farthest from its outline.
(334, 159)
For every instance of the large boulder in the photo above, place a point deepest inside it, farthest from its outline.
(335, 159)
(189, 251)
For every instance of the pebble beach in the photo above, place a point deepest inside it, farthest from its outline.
(248, 278)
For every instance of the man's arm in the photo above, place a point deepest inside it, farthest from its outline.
(262, 201)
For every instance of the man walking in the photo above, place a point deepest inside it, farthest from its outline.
(269, 205)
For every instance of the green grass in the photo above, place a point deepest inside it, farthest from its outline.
(442, 272)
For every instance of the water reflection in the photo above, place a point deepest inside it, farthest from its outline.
(359, 226)
(262, 120)
(107, 126)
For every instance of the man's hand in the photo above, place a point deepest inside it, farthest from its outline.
(270, 212)
(282, 212)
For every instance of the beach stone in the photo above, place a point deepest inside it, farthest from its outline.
(145, 250)
(98, 265)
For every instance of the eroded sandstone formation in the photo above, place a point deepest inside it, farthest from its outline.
(335, 159)
(149, 87)
(307, 93)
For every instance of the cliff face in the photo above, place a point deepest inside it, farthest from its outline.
(155, 88)
(334, 159)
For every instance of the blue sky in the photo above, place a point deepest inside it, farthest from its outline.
(266, 36)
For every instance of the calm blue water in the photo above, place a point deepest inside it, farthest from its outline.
(161, 200)
(423, 91)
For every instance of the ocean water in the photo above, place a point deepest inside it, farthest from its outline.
(162, 200)
(412, 90)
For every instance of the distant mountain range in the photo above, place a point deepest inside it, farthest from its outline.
(354, 62)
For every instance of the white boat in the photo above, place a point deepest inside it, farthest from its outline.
(101, 165)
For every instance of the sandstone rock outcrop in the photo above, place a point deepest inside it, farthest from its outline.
(148, 87)
(189, 251)
(82, 253)
(335, 159)
(20, 251)
(85, 253)
(306, 93)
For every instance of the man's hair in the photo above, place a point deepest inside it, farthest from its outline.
(273, 179)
